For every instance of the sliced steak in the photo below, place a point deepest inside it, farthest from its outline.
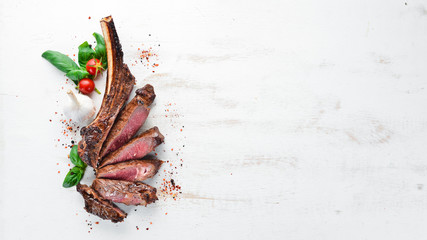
(129, 193)
(133, 171)
(117, 90)
(136, 148)
(130, 120)
(103, 208)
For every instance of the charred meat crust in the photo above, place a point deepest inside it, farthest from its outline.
(151, 135)
(119, 85)
(103, 208)
(127, 123)
(129, 193)
(134, 170)
(147, 94)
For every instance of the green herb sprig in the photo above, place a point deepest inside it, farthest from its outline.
(76, 173)
(70, 68)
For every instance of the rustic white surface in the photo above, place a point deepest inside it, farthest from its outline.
(303, 119)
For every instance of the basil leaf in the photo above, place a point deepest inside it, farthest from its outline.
(73, 177)
(77, 74)
(60, 61)
(75, 159)
(86, 53)
(100, 49)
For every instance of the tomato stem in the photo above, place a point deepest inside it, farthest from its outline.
(96, 90)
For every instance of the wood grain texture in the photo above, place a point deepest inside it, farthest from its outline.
(302, 119)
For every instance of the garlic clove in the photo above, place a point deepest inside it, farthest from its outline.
(79, 108)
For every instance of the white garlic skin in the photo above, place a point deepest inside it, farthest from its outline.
(79, 108)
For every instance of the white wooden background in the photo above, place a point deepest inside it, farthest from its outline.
(303, 119)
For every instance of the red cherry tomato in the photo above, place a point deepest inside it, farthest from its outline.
(94, 66)
(86, 85)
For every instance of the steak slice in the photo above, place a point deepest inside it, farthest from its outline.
(136, 148)
(133, 171)
(130, 120)
(118, 87)
(103, 208)
(129, 193)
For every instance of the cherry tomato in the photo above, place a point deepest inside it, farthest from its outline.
(86, 85)
(94, 66)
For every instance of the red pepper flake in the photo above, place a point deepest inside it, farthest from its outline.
(89, 17)
(59, 171)
(166, 213)
(181, 130)
(172, 149)
(68, 164)
(147, 229)
(57, 163)
(151, 222)
(96, 222)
